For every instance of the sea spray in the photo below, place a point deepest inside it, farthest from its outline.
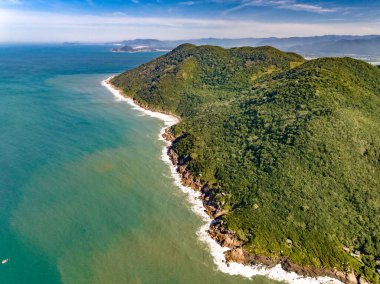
(216, 250)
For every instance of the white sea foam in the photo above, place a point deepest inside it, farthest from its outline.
(217, 251)
(169, 120)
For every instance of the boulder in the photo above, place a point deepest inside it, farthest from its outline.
(230, 241)
(235, 255)
(168, 135)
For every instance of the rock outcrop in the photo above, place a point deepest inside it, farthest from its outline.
(235, 255)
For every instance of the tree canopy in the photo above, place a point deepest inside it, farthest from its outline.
(291, 146)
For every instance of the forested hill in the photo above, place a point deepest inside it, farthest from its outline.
(291, 147)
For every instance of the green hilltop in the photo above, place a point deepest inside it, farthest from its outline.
(290, 147)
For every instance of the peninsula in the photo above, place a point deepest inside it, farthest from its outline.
(285, 152)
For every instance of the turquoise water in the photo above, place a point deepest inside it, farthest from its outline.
(84, 196)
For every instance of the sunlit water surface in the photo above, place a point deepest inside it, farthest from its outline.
(84, 195)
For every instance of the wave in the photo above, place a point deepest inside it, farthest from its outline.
(193, 197)
(169, 120)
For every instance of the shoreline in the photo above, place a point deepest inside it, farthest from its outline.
(197, 206)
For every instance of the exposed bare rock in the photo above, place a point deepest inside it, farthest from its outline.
(255, 259)
(224, 237)
(220, 213)
(168, 135)
(173, 156)
(235, 255)
(197, 185)
(210, 210)
(348, 278)
(361, 280)
(230, 241)
(181, 169)
(346, 249)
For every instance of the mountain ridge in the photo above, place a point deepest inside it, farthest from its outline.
(328, 45)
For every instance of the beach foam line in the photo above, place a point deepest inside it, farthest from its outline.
(169, 120)
(193, 197)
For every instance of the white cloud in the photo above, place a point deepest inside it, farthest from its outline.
(281, 4)
(188, 3)
(307, 7)
(21, 26)
(12, 2)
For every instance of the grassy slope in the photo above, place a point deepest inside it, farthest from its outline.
(294, 146)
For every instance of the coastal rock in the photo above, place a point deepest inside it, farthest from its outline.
(210, 210)
(347, 278)
(361, 280)
(230, 241)
(351, 278)
(168, 135)
(219, 213)
(255, 259)
(188, 180)
(289, 266)
(181, 169)
(173, 156)
(197, 184)
(224, 237)
(235, 255)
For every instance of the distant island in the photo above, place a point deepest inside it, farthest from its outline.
(363, 47)
(71, 43)
(285, 152)
(140, 48)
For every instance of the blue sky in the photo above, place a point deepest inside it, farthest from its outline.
(100, 20)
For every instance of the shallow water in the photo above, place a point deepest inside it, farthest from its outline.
(84, 194)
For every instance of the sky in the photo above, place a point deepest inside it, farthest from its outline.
(115, 20)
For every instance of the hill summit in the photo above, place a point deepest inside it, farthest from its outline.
(285, 151)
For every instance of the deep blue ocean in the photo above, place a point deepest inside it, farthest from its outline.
(84, 195)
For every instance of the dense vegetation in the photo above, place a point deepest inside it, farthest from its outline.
(291, 146)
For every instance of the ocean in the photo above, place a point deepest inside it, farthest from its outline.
(84, 194)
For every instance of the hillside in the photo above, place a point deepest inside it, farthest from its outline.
(288, 149)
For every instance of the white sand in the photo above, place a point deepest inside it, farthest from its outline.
(169, 120)
(217, 251)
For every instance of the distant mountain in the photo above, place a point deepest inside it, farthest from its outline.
(368, 46)
(292, 42)
(144, 45)
(225, 42)
(144, 42)
(71, 43)
(140, 48)
(125, 48)
(315, 46)
(203, 41)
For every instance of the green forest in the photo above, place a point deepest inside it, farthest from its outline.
(291, 147)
